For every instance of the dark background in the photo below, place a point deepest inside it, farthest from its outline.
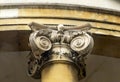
(13, 66)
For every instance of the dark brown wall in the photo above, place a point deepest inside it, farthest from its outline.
(13, 67)
(105, 45)
(99, 68)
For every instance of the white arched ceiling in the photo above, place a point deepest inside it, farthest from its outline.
(110, 4)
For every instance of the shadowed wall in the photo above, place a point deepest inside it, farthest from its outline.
(99, 68)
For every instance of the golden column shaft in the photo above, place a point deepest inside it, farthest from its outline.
(59, 72)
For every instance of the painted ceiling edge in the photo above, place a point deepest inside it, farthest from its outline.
(61, 6)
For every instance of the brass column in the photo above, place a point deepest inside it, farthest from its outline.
(59, 72)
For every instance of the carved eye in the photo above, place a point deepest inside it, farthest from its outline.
(82, 43)
(43, 43)
(39, 44)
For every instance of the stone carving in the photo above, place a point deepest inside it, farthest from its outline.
(58, 45)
